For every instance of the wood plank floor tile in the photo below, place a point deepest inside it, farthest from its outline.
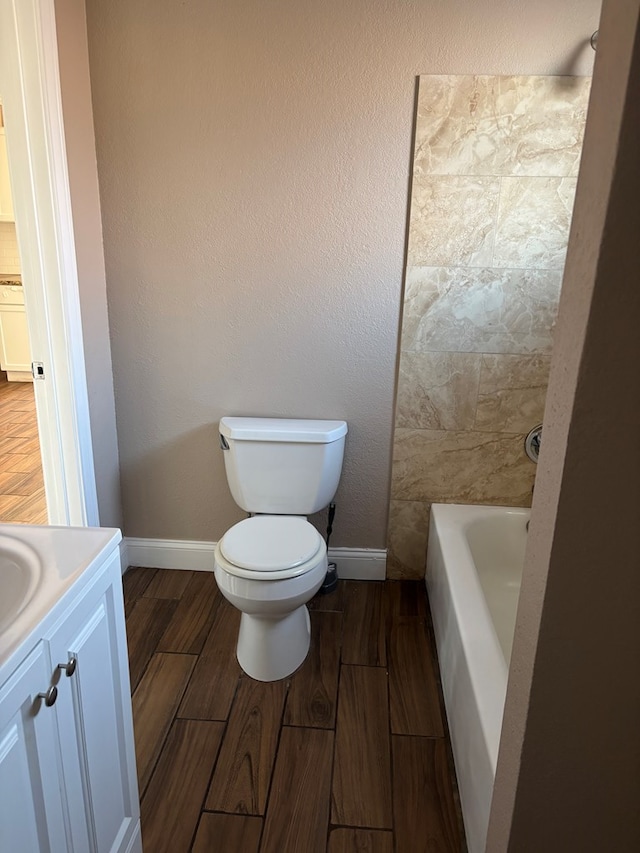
(425, 816)
(20, 483)
(413, 687)
(135, 580)
(241, 780)
(13, 429)
(345, 840)
(24, 509)
(331, 601)
(213, 686)
(8, 506)
(154, 706)
(361, 794)
(25, 463)
(14, 445)
(298, 811)
(24, 405)
(405, 599)
(363, 639)
(313, 695)
(171, 806)
(35, 483)
(147, 622)
(16, 416)
(251, 720)
(28, 446)
(168, 583)
(228, 832)
(190, 625)
(20, 462)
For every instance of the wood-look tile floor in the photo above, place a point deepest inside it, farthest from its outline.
(22, 499)
(350, 753)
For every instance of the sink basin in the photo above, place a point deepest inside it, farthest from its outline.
(20, 574)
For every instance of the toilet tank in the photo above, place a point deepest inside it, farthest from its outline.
(282, 466)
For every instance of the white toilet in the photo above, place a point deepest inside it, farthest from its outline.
(270, 565)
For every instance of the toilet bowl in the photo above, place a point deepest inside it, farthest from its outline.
(269, 567)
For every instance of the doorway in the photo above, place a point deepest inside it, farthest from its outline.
(34, 134)
(22, 495)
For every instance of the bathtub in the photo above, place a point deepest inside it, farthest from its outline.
(474, 567)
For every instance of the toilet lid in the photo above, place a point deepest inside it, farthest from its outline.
(269, 543)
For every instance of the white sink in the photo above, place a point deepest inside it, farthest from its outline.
(39, 565)
(20, 575)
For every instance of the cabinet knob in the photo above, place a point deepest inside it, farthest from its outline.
(70, 667)
(50, 696)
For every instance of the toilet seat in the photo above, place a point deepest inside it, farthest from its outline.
(270, 547)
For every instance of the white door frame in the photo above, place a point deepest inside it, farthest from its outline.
(30, 89)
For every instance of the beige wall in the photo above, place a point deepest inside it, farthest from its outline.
(85, 205)
(254, 167)
(569, 762)
(494, 176)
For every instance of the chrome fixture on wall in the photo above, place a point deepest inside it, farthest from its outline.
(594, 40)
(532, 443)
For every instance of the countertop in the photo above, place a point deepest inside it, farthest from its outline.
(63, 555)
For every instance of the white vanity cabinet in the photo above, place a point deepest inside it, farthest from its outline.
(67, 759)
(15, 349)
(31, 813)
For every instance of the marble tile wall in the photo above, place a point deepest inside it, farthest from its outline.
(495, 167)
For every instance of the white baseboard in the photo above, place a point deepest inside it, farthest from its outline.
(170, 554)
(360, 564)
(353, 563)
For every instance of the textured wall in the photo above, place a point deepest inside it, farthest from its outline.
(254, 166)
(493, 184)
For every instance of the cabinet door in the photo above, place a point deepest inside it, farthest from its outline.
(6, 205)
(31, 806)
(15, 354)
(94, 719)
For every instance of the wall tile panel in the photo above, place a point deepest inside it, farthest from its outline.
(448, 466)
(511, 392)
(532, 227)
(409, 525)
(493, 184)
(437, 390)
(455, 309)
(453, 220)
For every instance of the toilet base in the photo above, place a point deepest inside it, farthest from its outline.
(272, 648)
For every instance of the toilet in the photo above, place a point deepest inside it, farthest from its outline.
(271, 564)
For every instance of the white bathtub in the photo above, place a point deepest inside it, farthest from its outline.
(474, 567)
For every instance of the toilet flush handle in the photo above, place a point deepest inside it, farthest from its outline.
(224, 444)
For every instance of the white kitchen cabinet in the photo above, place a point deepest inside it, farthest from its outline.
(15, 350)
(67, 768)
(6, 204)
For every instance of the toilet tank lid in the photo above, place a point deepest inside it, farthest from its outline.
(282, 429)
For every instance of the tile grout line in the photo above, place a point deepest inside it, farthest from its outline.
(141, 795)
(267, 801)
(389, 618)
(335, 735)
(213, 770)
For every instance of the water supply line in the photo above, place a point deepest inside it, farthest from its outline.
(330, 581)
